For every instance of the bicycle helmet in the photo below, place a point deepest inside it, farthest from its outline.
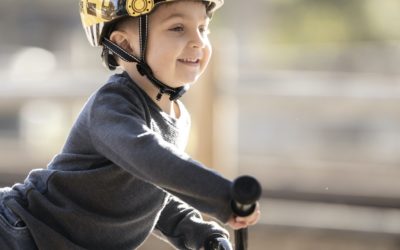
(98, 19)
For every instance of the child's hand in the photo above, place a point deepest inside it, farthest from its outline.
(237, 222)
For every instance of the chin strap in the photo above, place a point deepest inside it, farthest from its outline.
(142, 67)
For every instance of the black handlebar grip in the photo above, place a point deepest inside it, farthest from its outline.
(217, 243)
(245, 192)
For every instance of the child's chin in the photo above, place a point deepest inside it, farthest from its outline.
(182, 81)
(185, 82)
(191, 80)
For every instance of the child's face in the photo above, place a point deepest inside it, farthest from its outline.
(178, 46)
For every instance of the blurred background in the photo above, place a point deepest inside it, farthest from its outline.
(302, 94)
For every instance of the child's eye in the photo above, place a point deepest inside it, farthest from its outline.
(204, 30)
(177, 29)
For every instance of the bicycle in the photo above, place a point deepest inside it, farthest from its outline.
(245, 192)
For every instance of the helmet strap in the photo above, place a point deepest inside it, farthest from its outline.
(142, 67)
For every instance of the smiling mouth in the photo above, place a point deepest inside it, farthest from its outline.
(189, 61)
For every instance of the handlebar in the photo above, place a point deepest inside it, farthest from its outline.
(218, 243)
(245, 191)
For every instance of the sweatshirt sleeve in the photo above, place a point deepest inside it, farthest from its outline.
(184, 226)
(119, 132)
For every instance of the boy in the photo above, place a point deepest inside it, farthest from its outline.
(122, 172)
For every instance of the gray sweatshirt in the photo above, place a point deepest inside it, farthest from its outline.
(122, 174)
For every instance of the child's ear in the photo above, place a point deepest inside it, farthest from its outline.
(121, 38)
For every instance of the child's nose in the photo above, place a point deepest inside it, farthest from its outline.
(198, 40)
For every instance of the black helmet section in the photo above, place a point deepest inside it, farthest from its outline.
(110, 48)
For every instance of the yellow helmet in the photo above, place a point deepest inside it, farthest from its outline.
(97, 14)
